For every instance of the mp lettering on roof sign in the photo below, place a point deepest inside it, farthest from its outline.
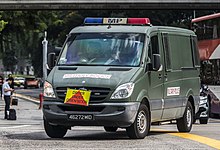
(172, 91)
(115, 20)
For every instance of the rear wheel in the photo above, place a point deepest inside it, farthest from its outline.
(110, 129)
(141, 126)
(54, 131)
(184, 124)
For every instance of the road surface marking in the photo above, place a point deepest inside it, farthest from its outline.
(201, 139)
(14, 127)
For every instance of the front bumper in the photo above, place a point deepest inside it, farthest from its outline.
(104, 114)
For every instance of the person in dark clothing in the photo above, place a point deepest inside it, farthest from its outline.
(7, 90)
(1, 83)
(12, 85)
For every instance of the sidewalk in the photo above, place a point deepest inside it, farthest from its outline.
(19, 96)
(27, 112)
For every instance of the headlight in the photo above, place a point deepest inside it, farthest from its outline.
(123, 91)
(48, 90)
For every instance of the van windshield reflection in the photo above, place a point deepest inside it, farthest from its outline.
(107, 49)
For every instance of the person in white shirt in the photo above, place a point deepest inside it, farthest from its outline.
(6, 91)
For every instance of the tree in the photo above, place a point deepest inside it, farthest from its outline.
(9, 60)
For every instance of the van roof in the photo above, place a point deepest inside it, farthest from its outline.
(127, 29)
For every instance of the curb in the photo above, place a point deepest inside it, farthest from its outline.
(29, 98)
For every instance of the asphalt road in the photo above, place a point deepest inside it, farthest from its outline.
(27, 133)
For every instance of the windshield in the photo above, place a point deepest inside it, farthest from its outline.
(110, 49)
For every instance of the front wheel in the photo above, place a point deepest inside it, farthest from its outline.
(141, 126)
(54, 131)
(184, 124)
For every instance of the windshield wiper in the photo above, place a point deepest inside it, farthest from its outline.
(73, 64)
(78, 64)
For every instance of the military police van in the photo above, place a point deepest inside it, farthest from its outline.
(122, 73)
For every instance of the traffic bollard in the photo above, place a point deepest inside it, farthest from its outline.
(41, 100)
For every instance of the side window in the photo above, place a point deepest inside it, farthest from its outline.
(177, 48)
(195, 51)
(155, 44)
(177, 45)
(153, 48)
(186, 51)
(166, 48)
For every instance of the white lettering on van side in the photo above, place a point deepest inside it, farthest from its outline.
(171, 91)
(96, 76)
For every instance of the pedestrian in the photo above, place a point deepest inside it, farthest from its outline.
(1, 83)
(12, 84)
(7, 90)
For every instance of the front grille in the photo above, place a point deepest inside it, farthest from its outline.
(73, 108)
(97, 94)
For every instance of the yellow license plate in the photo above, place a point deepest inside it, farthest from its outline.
(78, 97)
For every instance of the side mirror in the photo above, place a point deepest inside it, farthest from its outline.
(51, 60)
(57, 50)
(156, 62)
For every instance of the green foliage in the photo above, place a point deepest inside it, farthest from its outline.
(2, 25)
(9, 60)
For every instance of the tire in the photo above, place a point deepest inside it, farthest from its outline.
(203, 120)
(110, 129)
(141, 126)
(184, 124)
(54, 131)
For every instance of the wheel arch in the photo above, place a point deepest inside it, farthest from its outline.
(146, 102)
(191, 100)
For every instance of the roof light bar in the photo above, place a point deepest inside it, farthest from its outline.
(136, 21)
(93, 20)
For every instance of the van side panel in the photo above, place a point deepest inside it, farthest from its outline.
(180, 74)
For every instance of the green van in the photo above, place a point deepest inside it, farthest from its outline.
(122, 73)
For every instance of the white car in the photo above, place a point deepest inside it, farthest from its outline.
(18, 81)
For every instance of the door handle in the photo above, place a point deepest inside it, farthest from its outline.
(160, 76)
(165, 76)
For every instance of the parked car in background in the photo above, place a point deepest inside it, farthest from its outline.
(32, 82)
(204, 106)
(19, 81)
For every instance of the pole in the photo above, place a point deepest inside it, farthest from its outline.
(41, 100)
(45, 42)
(194, 14)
